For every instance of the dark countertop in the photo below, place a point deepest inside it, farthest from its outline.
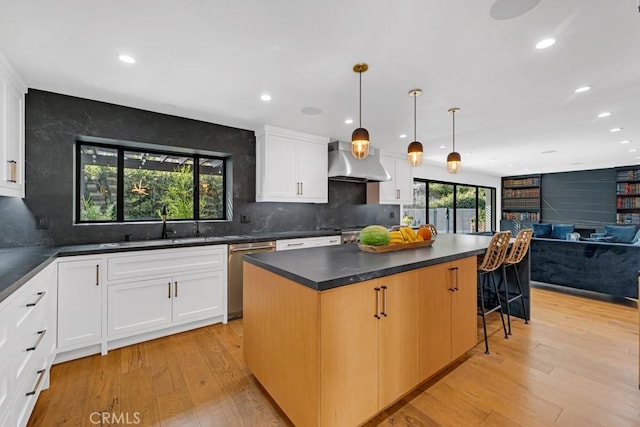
(333, 266)
(18, 265)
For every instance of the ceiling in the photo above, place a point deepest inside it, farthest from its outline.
(212, 60)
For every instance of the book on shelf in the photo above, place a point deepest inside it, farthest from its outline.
(628, 175)
(628, 218)
(521, 182)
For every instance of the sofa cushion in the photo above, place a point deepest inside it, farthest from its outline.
(541, 230)
(636, 238)
(621, 233)
(560, 231)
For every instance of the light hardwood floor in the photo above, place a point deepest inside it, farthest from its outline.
(575, 364)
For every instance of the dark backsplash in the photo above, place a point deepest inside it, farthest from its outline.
(53, 122)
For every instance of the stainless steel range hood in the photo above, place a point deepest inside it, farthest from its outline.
(344, 167)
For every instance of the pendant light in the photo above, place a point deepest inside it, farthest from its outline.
(453, 159)
(414, 151)
(360, 136)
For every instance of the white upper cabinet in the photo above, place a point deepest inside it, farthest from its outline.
(399, 190)
(291, 166)
(12, 92)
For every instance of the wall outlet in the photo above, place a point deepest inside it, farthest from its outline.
(244, 219)
(42, 222)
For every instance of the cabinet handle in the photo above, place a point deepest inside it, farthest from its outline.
(13, 173)
(175, 293)
(301, 188)
(397, 194)
(456, 276)
(377, 315)
(40, 296)
(97, 274)
(295, 244)
(384, 301)
(35, 388)
(297, 188)
(333, 241)
(169, 290)
(37, 343)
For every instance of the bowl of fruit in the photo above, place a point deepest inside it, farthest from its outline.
(377, 238)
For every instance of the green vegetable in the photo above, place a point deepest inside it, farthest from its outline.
(375, 235)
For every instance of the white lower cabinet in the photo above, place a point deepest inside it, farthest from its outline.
(80, 301)
(117, 299)
(306, 242)
(139, 306)
(27, 346)
(154, 304)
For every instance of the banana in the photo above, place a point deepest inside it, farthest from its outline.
(409, 234)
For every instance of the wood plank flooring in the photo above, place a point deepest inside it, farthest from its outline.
(575, 364)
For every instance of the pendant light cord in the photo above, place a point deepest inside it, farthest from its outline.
(414, 117)
(360, 99)
(454, 129)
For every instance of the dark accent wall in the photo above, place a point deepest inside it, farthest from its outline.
(53, 122)
(586, 199)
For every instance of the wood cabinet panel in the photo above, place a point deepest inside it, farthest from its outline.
(349, 354)
(398, 337)
(447, 313)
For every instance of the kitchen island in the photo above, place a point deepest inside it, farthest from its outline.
(336, 335)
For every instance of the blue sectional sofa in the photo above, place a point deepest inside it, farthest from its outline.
(589, 264)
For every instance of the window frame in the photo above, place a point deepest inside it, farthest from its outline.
(455, 185)
(121, 147)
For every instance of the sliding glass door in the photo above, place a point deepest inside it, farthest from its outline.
(452, 208)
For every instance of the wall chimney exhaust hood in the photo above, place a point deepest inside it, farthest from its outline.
(344, 167)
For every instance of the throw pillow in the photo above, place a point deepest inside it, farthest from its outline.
(636, 239)
(541, 230)
(560, 231)
(621, 233)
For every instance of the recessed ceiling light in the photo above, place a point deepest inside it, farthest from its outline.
(265, 97)
(626, 141)
(443, 146)
(492, 160)
(637, 157)
(404, 135)
(633, 150)
(348, 121)
(615, 129)
(127, 59)
(548, 151)
(582, 89)
(311, 111)
(543, 44)
(604, 114)
(468, 154)
(510, 164)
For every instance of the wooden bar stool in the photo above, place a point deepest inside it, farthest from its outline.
(516, 254)
(493, 259)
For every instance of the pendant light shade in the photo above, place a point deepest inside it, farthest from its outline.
(360, 136)
(454, 161)
(414, 151)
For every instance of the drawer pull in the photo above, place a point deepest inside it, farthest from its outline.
(97, 274)
(37, 343)
(175, 294)
(169, 290)
(40, 296)
(295, 244)
(35, 388)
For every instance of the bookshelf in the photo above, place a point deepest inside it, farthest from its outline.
(628, 196)
(520, 202)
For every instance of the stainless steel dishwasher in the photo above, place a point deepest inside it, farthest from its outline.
(234, 291)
